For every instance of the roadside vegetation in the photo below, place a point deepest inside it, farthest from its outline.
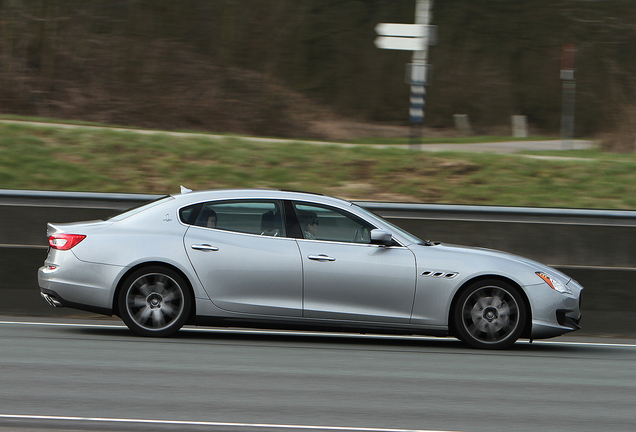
(107, 160)
(309, 68)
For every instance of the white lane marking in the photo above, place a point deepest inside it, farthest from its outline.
(236, 330)
(312, 333)
(591, 344)
(209, 423)
(35, 323)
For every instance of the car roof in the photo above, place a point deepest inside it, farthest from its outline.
(216, 194)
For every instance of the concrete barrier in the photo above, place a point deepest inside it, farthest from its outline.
(594, 247)
(519, 126)
(462, 124)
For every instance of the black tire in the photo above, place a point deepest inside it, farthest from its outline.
(489, 314)
(155, 301)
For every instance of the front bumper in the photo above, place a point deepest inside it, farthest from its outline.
(560, 314)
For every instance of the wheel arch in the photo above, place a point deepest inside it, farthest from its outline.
(527, 326)
(133, 269)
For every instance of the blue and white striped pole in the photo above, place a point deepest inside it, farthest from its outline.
(418, 70)
(418, 101)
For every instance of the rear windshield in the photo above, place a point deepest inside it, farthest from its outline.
(138, 209)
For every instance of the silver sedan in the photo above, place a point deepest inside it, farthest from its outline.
(276, 259)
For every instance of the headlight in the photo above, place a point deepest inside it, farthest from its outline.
(555, 284)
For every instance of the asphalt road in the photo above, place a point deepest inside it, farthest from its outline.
(67, 374)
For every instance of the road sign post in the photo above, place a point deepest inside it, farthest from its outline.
(412, 37)
(569, 94)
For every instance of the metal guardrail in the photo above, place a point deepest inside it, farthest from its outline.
(85, 199)
(403, 210)
(504, 214)
(595, 247)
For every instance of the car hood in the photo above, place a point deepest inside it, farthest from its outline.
(482, 259)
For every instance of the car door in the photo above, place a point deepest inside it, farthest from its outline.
(244, 261)
(345, 276)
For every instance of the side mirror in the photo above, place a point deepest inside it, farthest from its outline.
(381, 237)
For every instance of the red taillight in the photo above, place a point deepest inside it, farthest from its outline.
(65, 241)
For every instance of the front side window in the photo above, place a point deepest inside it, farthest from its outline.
(411, 239)
(331, 224)
(252, 217)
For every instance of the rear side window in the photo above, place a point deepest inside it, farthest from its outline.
(188, 215)
(260, 217)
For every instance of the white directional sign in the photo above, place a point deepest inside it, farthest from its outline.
(400, 43)
(409, 37)
(403, 30)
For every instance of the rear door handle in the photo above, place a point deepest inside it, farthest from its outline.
(204, 247)
(321, 257)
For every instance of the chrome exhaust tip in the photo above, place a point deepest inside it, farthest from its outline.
(50, 300)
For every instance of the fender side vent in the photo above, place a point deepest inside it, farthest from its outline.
(439, 274)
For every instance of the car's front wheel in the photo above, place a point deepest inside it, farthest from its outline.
(154, 301)
(489, 314)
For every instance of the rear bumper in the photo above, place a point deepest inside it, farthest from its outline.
(55, 300)
(85, 287)
(51, 299)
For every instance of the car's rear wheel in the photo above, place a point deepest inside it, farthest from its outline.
(154, 301)
(490, 314)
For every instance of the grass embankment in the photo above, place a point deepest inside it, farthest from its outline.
(102, 160)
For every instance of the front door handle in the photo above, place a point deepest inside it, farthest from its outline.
(321, 257)
(204, 247)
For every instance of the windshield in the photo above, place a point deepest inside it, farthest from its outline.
(407, 235)
(137, 209)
